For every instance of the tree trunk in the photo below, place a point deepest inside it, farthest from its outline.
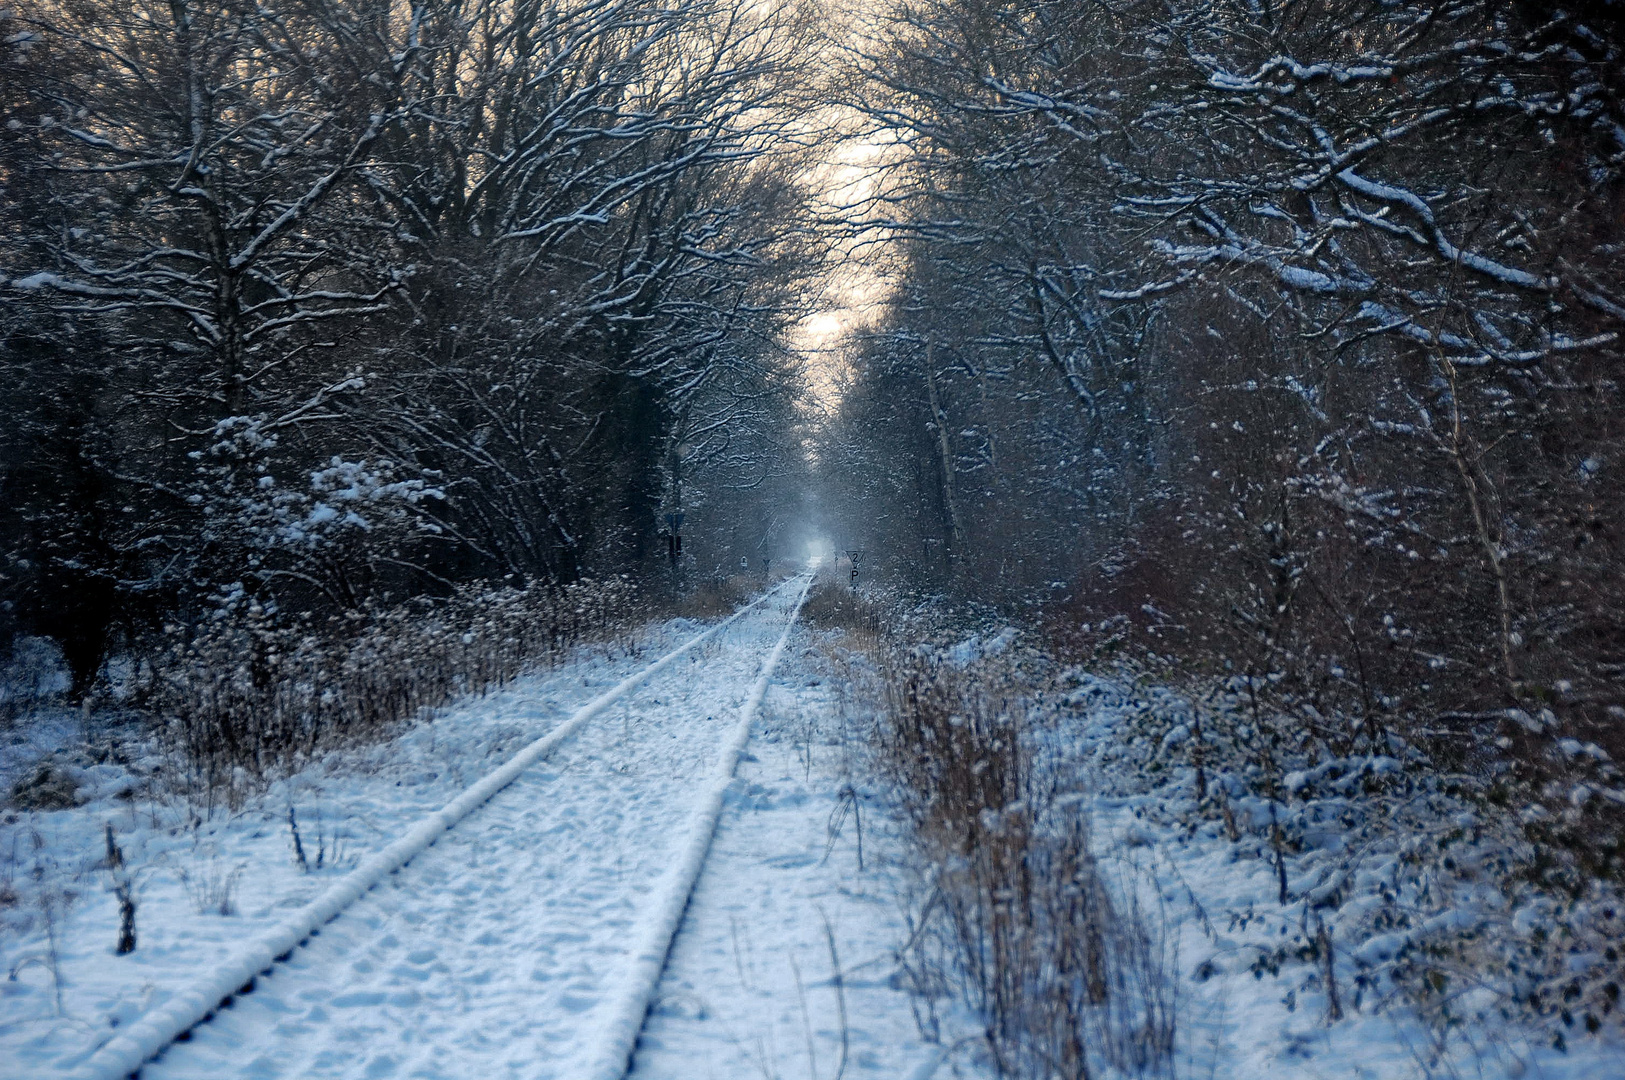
(954, 547)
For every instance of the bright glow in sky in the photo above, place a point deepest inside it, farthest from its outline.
(819, 330)
(846, 181)
(858, 286)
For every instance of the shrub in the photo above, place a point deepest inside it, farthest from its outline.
(249, 694)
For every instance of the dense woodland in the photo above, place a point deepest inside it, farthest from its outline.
(1277, 339)
(314, 307)
(1273, 339)
(1265, 357)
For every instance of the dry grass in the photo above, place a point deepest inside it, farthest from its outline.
(832, 605)
(1069, 980)
(717, 596)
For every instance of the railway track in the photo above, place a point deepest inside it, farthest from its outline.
(518, 931)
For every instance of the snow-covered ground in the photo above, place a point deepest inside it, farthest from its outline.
(785, 966)
(511, 946)
(502, 950)
(1250, 1005)
(1251, 993)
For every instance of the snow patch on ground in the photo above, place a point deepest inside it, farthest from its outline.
(976, 647)
(498, 951)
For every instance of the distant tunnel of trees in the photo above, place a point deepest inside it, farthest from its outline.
(1282, 336)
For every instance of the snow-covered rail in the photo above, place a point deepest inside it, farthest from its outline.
(624, 1016)
(139, 1042)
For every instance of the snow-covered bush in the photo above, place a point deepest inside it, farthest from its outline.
(1409, 879)
(1397, 876)
(248, 693)
(32, 673)
(271, 524)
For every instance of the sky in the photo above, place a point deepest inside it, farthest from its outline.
(857, 289)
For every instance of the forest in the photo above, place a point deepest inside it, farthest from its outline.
(318, 309)
(356, 354)
(1265, 355)
(1271, 339)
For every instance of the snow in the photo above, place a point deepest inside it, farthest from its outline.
(750, 988)
(624, 1015)
(663, 865)
(1310, 280)
(1489, 267)
(25, 745)
(495, 952)
(525, 941)
(350, 805)
(137, 1042)
(1250, 1004)
(974, 648)
(1249, 1007)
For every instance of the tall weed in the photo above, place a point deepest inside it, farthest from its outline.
(1069, 978)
